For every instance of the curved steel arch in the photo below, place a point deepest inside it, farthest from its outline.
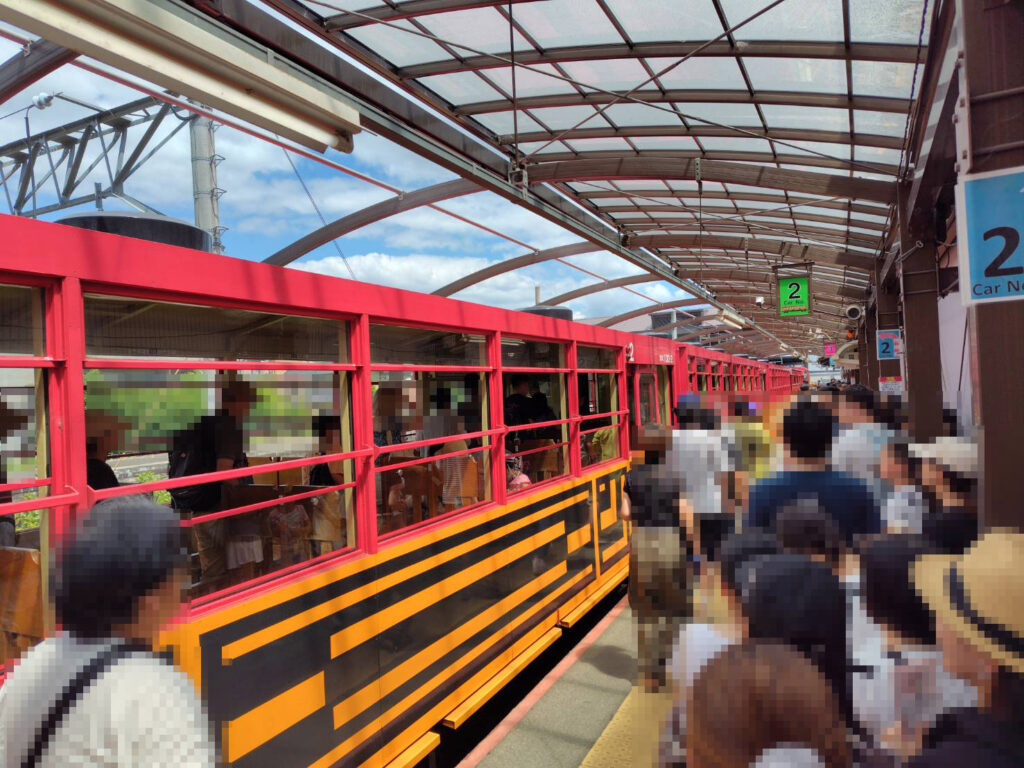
(616, 319)
(729, 172)
(684, 96)
(371, 214)
(501, 267)
(783, 49)
(783, 248)
(607, 285)
(710, 227)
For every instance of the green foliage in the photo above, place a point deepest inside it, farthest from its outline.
(160, 497)
(25, 520)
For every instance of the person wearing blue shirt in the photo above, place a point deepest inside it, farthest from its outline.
(808, 483)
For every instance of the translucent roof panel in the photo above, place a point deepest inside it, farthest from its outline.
(610, 74)
(461, 88)
(887, 21)
(598, 145)
(502, 122)
(539, 80)
(805, 75)
(563, 23)
(398, 47)
(735, 144)
(481, 28)
(630, 114)
(740, 114)
(880, 123)
(667, 19)
(813, 118)
(665, 142)
(560, 118)
(882, 78)
(700, 72)
(877, 155)
(792, 20)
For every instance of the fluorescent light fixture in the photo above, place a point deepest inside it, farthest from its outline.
(185, 52)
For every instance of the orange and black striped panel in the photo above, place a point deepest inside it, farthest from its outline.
(611, 535)
(346, 666)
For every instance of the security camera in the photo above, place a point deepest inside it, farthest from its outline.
(759, 301)
(853, 312)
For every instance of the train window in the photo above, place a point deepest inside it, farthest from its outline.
(145, 426)
(398, 345)
(428, 425)
(597, 358)
(23, 534)
(598, 403)
(21, 312)
(127, 327)
(522, 353)
(24, 470)
(535, 453)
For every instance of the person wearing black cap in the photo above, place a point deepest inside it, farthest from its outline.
(96, 694)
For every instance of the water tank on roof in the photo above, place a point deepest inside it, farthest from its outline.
(144, 226)
(560, 313)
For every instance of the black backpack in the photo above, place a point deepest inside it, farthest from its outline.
(192, 454)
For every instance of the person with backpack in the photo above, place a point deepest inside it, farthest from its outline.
(96, 693)
(214, 444)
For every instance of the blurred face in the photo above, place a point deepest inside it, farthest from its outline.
(851, 413)
(961, 659)
(892, 469)
(238, 409)
(161, 607)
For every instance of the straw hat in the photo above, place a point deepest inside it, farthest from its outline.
(980, 594)
(953, 453)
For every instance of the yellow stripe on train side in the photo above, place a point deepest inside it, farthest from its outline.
(578, 538)
(258, 726)
(242, 646)
(366, 731)
(378, 689)
(371, 626)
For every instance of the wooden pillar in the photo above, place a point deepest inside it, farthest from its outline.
(991, 41)
(887, 316)
(919, 293)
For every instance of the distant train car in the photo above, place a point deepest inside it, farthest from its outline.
(401, 499)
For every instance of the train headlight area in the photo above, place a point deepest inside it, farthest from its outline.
(389, 508)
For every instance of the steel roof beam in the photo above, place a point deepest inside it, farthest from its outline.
(787, 251)
(598, 194)
(407, 10)
(370, 215)
(829, 185)
(720, 155)
(788, 215)
(607, 285)
(34, 62)
(855, 242)
(621, 318)
(754, 48)
(718, 96)
(699, 131)
(509, 265)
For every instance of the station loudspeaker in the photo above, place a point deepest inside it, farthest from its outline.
(853, 311)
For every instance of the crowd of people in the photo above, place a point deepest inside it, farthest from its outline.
(811, 589)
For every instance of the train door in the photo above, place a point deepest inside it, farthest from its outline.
(644, 401)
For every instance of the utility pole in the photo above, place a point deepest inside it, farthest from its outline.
(205, 192)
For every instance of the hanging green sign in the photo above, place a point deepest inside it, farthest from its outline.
(794, 295)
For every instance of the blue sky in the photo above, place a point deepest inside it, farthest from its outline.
(264, 208)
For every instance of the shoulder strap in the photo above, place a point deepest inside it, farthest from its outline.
(72, 692)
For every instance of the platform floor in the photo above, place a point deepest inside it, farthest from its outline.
(588, 711)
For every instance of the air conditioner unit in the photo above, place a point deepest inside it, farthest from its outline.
(853, 311)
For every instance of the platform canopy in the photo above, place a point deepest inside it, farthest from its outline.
(719, 137)
(710, 142)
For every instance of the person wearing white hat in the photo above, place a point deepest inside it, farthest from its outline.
(949, 470)
(978, 601)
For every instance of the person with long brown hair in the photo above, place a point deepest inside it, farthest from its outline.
(764, 703)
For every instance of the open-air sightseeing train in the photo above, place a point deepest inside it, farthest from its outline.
(394, 550)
